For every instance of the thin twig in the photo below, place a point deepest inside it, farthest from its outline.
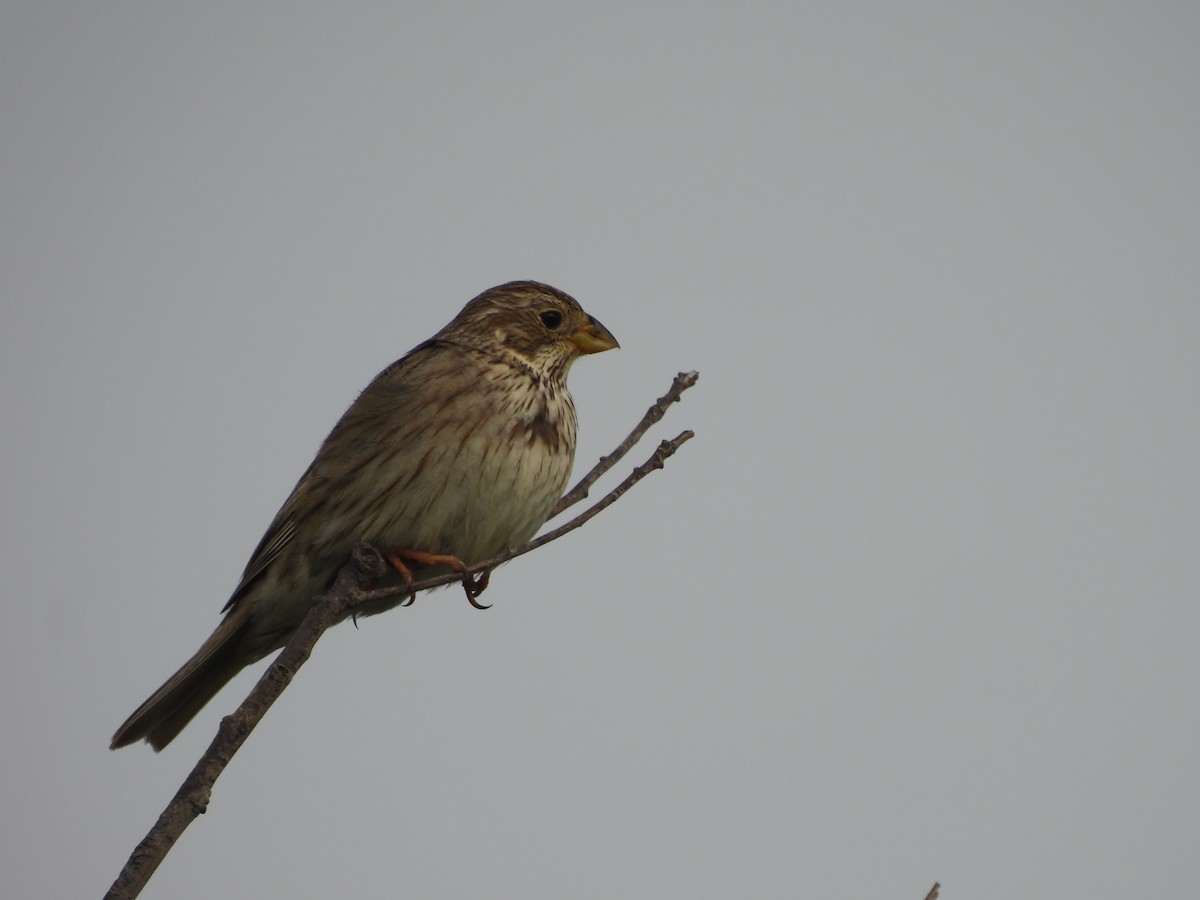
(682, 382)
(345, 595)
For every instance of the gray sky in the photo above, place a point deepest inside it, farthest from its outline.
(920, 600)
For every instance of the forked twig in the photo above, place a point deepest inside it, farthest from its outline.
(682, 382)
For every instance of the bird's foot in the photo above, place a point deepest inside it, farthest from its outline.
(472, 586)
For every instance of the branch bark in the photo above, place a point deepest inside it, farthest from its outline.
(347, 594)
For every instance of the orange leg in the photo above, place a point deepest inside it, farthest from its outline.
(472, 586)
(397, 562)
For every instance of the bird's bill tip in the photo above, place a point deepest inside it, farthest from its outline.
(593, 338)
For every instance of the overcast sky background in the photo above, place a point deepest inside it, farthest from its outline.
(919, 602)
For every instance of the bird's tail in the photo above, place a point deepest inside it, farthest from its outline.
(185, 693)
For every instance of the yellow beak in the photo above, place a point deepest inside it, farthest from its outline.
(593, 338)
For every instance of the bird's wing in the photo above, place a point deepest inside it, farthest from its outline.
(278, 536)
(286, 524)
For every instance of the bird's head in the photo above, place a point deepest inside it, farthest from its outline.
(542, 326)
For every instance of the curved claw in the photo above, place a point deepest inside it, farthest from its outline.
(473, 587)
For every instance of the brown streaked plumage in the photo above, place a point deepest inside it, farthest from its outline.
(460, 448)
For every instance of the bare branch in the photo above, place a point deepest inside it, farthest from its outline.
(654, 414)
(192, 798)
(933, 892)
(343, 597)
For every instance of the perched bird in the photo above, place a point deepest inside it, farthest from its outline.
(452, 454)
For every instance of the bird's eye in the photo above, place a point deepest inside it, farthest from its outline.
(551, 318)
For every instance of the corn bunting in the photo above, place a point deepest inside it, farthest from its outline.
(452, 454)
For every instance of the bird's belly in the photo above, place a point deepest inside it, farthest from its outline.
(490, 495)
